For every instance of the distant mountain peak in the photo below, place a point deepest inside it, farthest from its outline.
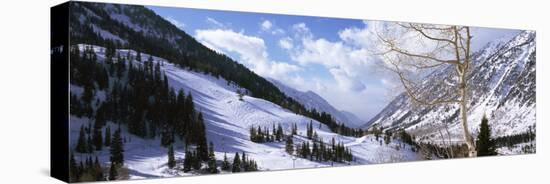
(312, 100)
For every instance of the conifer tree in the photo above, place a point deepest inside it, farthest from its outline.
(138, 56)
(98, 172)
(196, 161)
(245, 164)
(212, 167)
(236, 163)
(81, 146)
(89, 144)
(485, 145)
(113, 174)
(280, 133)
(253, 135)
(289, 147)
(97, 138)
(107, 136)
(225, 164)
(171, 159)
(309, 132)
(117, 148)
(202, 147)
(187, 161)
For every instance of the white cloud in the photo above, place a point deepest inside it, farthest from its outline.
(346, 65)
(345, 81)
(286, 43)
(278, 31)
(300, 27)
(356, 36)
(251, 50)
(356, 83)
(270, 27)
(215, 23)
(266, 25)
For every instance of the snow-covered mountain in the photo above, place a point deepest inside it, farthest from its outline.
(353, 120)
(501, 85)
(228, 121)
(312, 100)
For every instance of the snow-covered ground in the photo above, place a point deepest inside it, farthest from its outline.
(227, 121)
(517, 149)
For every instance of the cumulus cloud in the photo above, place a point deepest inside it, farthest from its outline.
(345, 64)
(286, 43)
(345, 81)
(251, 50)
(270, 27)
(266, 25)
(356, 83)
(300, 28)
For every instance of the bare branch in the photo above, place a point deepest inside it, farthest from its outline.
(405, 82)
(424, 56)
(423, 33)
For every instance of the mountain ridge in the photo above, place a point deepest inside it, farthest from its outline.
(502, 86)
(312, 100)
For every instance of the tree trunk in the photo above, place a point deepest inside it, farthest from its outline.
(464, 115)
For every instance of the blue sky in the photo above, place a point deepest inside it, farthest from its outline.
(308, 53)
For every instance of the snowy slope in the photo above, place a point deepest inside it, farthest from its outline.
(227, 121)
(501, 85)
(312, 100)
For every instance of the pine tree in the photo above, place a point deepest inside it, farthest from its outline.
(89, 144)
(196, 161)
(212, 167)
(107, 136)
(244, 162)
(289, 148)
(253, 135)
(225, 164)
(202, 147)
(295, 129)
(309, 132)
(98, 172)
(117, 148)
(97, 138)
(236, 163)
(138, 56)
(81, 146)
(171, 159)
(187, 161)
(280, 133)
(485, 145)
(315, 151)
(315, 136)
(113, 174)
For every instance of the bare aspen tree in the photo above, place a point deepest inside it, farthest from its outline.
(413, 51)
